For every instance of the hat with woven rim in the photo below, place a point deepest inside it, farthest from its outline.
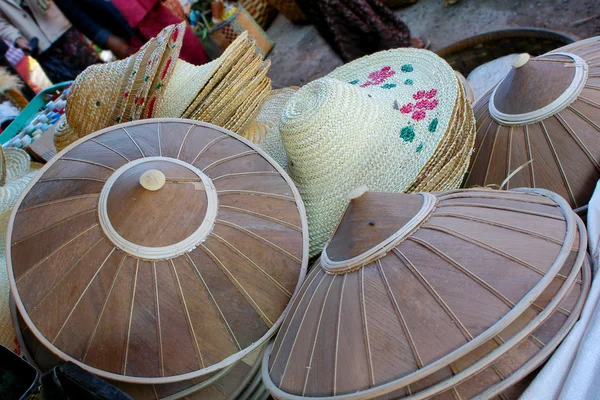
(106, 94)
(375, 122)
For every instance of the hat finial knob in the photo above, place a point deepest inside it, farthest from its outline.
(152, 180)
(520, 60)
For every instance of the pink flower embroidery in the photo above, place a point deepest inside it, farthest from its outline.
(406, 109)
(378, 77)
(431, 93)
(418, 115)
(426, 104)
(419, 95)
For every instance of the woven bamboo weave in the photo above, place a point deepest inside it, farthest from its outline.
(289, 9)
(383, 121)
(260, 10)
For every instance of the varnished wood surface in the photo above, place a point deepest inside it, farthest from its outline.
(130, 319)
(560, 153)
(436, 294)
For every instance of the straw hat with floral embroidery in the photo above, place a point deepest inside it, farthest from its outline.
(376, 122)
(106, 94)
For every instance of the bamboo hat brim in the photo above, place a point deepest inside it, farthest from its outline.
(379, 121)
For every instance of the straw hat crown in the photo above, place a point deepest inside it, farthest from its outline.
(376, 122)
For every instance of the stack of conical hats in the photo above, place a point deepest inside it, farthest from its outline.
(433, 296)
(227, 92)
(541, 125)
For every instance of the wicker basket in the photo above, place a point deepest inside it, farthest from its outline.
(261, 10)
(225, 33)
(289, 9)
(468, 54)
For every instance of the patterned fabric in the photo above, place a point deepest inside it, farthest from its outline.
(355, 28)
(68, 57)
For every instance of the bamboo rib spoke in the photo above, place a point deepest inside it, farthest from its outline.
(93, 335)
(262, 216)
(208, 146)
(53, 225)
(337, 336)
(187, 316)
(489, 164)
(300, 326)
(134, 142)
(366, 327)
(579, 142)
(312, 353)
(501, 208)
(137, 265)
(230, 158)
(529, 156)
(255, 265)
(237, 283)
(480, 146)
(184, 140)
(83, 294)
(429, 287)
(110, 148)
(74, 178)
(54, 252)
(250, 173)
(583, 117)
(401, 318)
(215, 302)
(161, 359)
(255, 193)
(259, 238)
(308, 284)
(486, 246)
(499, 225)
(558, 163)
(53, 202)
(588, 101)
(41, 301)
(86, 162)
(159, 141)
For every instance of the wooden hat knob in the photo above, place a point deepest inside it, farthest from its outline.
(153, 180)
(521, 60)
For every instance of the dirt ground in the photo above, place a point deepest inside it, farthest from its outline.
(300, 55)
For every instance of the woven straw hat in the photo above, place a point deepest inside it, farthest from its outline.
(105, 94)
(389, 121)
(264, 130)
(64, 134)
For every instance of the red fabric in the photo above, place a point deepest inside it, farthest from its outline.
(135, 11)
(159, 17)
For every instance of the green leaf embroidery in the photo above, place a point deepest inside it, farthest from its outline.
(407, 134)
(388, 86)
(407, 68)
(433, 125)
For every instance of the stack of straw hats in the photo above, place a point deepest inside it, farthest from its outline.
(540, 125)
(156, 252)
(130, 89)
(395, 121)
(434, 296)
(227, 92)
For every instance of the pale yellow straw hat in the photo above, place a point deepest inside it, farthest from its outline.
(375, 122)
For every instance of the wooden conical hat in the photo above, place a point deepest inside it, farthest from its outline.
(547, 111)
(157, 286)
(412, 283)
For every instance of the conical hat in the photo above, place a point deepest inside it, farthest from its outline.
(377, 121)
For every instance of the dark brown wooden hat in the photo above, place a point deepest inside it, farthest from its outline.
(157, 251)
(543, 121)
(413, 290)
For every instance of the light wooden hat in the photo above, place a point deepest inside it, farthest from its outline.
(106, 94)
(542, 120)
(382, 121)
(433, 294)
(157, 251)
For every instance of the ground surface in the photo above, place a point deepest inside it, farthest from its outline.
(301, 55)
